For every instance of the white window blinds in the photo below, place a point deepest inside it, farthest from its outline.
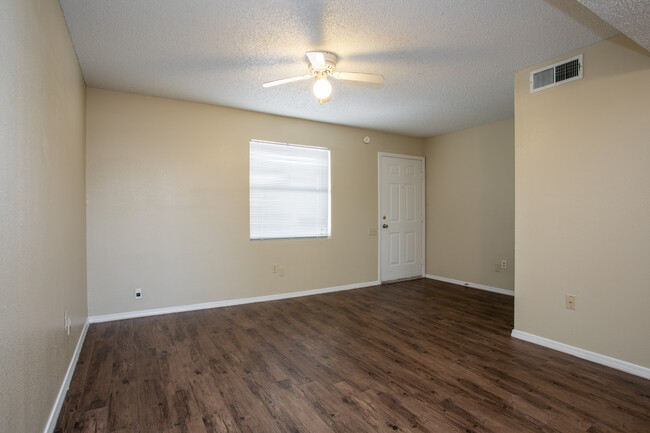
(289, 191)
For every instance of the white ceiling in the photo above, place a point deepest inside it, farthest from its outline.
(448, 64)
(631, 17)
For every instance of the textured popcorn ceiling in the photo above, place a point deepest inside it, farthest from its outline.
(448, 64)
(631, 17)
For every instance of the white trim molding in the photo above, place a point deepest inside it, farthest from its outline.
(618, 364)
(58, 403)
(472, 285)
(226, 303)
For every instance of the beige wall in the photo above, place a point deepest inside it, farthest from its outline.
(42, 209)
(470, 204)
(168, 204)
(583, 204)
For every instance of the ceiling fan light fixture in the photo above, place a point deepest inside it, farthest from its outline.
(322, 89)
(322, 64)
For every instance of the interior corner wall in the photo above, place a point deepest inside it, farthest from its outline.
(582, 158)
(42, 209)
(168, 204)
(470, 205)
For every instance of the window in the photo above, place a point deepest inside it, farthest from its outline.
(289, 191)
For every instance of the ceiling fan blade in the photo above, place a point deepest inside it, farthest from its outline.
(359, 76)
(286, 80)
(317, 59)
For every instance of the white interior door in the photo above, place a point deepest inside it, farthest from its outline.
(401, 217)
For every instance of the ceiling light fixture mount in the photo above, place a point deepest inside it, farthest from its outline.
(321, 65)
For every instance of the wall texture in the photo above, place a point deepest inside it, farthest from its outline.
(42, 209)
(168, 204)
(583, 204)
(470, 204)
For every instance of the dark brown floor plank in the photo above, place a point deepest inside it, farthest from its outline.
(69, 413)
(123, 413)
(415, 356)
(92, 421)
(202, 367)
(97, 384)
(183, 410)
(153, 410)
(78, 381)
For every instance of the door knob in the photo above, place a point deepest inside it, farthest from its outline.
(385, 226)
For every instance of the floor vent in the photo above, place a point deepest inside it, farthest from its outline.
(556, 74)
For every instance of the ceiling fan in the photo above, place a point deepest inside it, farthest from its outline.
(322, 64)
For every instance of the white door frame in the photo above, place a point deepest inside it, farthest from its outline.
(380, 155)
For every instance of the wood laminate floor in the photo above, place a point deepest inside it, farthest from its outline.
(420, 356)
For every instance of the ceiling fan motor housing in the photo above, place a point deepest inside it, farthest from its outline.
(327, 68)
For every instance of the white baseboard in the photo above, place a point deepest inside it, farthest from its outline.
(625, 366)
(472, 285)
(58, 404)
(226, 303)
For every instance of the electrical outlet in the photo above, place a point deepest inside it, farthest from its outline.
(504, 264)
(138, 293)
(274, 268)
(67, 322)
(497, 267)
(281, 270)
(570, 302)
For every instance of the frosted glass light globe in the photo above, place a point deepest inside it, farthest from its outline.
(322, 88)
